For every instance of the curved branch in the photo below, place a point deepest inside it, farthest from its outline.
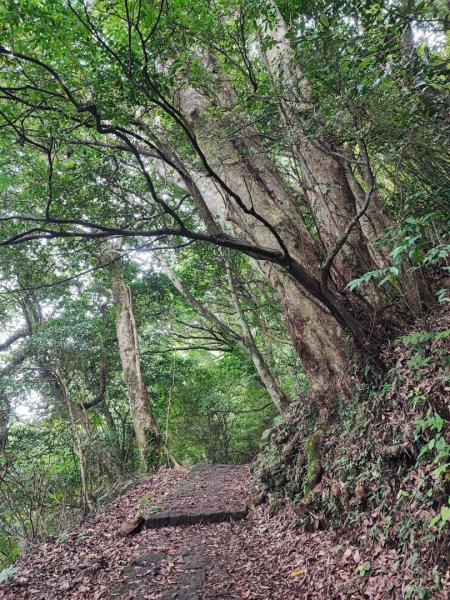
(21, 333)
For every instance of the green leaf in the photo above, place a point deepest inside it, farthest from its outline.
(366, 62)
(445, 513)
(441, 469)
(324, 20)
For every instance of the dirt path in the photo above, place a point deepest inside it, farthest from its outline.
(209, 495)
(259, 557)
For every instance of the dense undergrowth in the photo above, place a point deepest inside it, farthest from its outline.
(379, 468)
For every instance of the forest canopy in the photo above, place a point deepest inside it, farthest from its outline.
(217, 218)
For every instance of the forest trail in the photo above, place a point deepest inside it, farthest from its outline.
(207, 496)
(260, 557)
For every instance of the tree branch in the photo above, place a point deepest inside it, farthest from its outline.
(21, 333)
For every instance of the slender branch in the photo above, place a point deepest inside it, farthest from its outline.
(186, 348)
(5, 51)
(326, 267)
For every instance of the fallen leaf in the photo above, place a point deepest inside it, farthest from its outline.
(297, 572)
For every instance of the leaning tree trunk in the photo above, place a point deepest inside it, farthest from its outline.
(244, 165)
(145, 427)
(245, 341)
(280, 399)
(321, 344)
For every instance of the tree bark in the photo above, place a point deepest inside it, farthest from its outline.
(322, 344)
(5, 412)
(146, 430)
(333, 193)
(79, 443)
(324, 180)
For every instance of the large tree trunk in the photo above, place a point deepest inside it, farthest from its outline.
(251, 199)
(320, 342)
(145, 427)
(333, 193)
(326, 355)
(325, 186)
(244, 165)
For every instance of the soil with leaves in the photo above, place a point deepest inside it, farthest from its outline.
(260, 557)
(379, 470)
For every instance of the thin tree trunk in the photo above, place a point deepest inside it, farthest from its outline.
(117, 453)
(414, 286)
(280, 399)
(5, 412)
(79, 444)
(245, 341)
(61, 394)
(145, 427)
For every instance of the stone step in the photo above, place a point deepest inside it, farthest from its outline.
(202, 498)
(206, 496)
(174, 518)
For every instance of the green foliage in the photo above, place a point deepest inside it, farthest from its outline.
(39, 474)
(60, 142)
(213, 402)
(438, 446)
(442, 518)
(219, 413)
(363, 569)
(416, 249)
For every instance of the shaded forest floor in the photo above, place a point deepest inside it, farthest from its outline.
(260, 557)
